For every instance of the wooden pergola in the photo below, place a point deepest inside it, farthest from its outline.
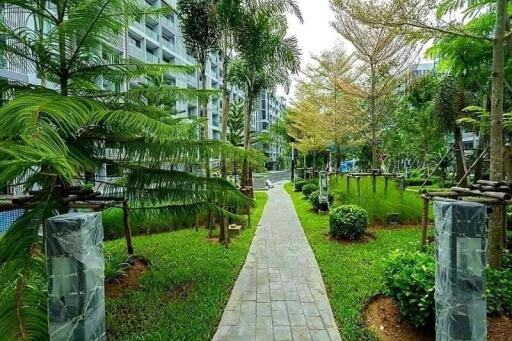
(374, 174)
(490, 193)
(75, 197)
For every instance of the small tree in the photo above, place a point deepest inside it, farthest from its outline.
(383, 56)
(266, 58)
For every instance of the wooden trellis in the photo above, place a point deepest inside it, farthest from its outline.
(75, 197)
(374, 174)
(490, 193)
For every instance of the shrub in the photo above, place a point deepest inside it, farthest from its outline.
(299, 184)
(308, 189)
(499, 291)
(410, 279)
(314, 199)
(348, 222)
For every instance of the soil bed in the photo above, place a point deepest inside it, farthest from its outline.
(128, 280)
(383, 318)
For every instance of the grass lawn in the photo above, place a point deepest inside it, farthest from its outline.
(183, 295)
(352, 272)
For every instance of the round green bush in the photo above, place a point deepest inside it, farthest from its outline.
(348, 222)
(314, 199)
(299, 184)
(308, 189)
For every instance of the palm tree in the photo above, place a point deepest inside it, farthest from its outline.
(52, 135)
(266, 58)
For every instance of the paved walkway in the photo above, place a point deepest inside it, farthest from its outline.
(280, 294)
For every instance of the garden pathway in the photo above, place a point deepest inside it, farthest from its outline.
(280, 294)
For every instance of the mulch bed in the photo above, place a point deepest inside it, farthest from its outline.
(383, 318)
(367, 238)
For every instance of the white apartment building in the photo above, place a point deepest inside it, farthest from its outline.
(155, 40)
(269, 109)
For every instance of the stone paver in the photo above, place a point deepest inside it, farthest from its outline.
(280, 294)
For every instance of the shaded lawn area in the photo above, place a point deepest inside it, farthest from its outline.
(353, 273)
(183, 295)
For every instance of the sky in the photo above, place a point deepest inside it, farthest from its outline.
(315, 34)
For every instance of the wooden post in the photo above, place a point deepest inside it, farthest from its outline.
(348, 184)
(504, 224)
(386, 180)
(424, 222)
(127, 227)
(358, 187)
(374, 183)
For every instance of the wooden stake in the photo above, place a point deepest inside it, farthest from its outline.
(374, 183)
(359, 187)
(127, 227)
(386, 179)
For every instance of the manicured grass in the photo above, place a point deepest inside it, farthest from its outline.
(183, 295)
(407, 204)
(353, 273)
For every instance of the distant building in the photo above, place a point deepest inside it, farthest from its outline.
(269, 109)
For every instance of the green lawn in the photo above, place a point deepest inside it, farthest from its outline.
(352, 272)
(184, 293)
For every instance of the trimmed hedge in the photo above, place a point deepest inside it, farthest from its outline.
(348, 222)
(308, 189)
(314, 199)
(410, 279)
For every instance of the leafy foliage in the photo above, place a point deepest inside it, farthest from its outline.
(348, 222)
(299, 183)
(410, 279)
(309, 188)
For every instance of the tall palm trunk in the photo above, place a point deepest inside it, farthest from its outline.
(246, 171)
(224, 232)
(496, 140)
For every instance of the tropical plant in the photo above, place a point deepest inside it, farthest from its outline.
(51, 138)
(266, 56)
(235, 122)
(200, 31)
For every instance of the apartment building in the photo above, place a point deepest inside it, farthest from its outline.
(154, 40)
(269, 109)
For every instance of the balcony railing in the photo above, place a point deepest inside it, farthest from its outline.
(152, 34)
(152, 58)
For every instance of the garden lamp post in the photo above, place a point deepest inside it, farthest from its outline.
(323, 198)
(461, 239)
(76, 277)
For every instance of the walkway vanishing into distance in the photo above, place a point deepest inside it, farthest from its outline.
(280, 294)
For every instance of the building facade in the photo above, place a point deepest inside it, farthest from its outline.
(269, 109)
(154, 40)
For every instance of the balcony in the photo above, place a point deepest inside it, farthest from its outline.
(152, 58)
(152, 34)
(168, 23)
(135, 51)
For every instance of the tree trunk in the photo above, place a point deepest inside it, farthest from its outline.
(482, 141)
(246, 171)
(459, 155)
(224, 232)
(496, 140)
